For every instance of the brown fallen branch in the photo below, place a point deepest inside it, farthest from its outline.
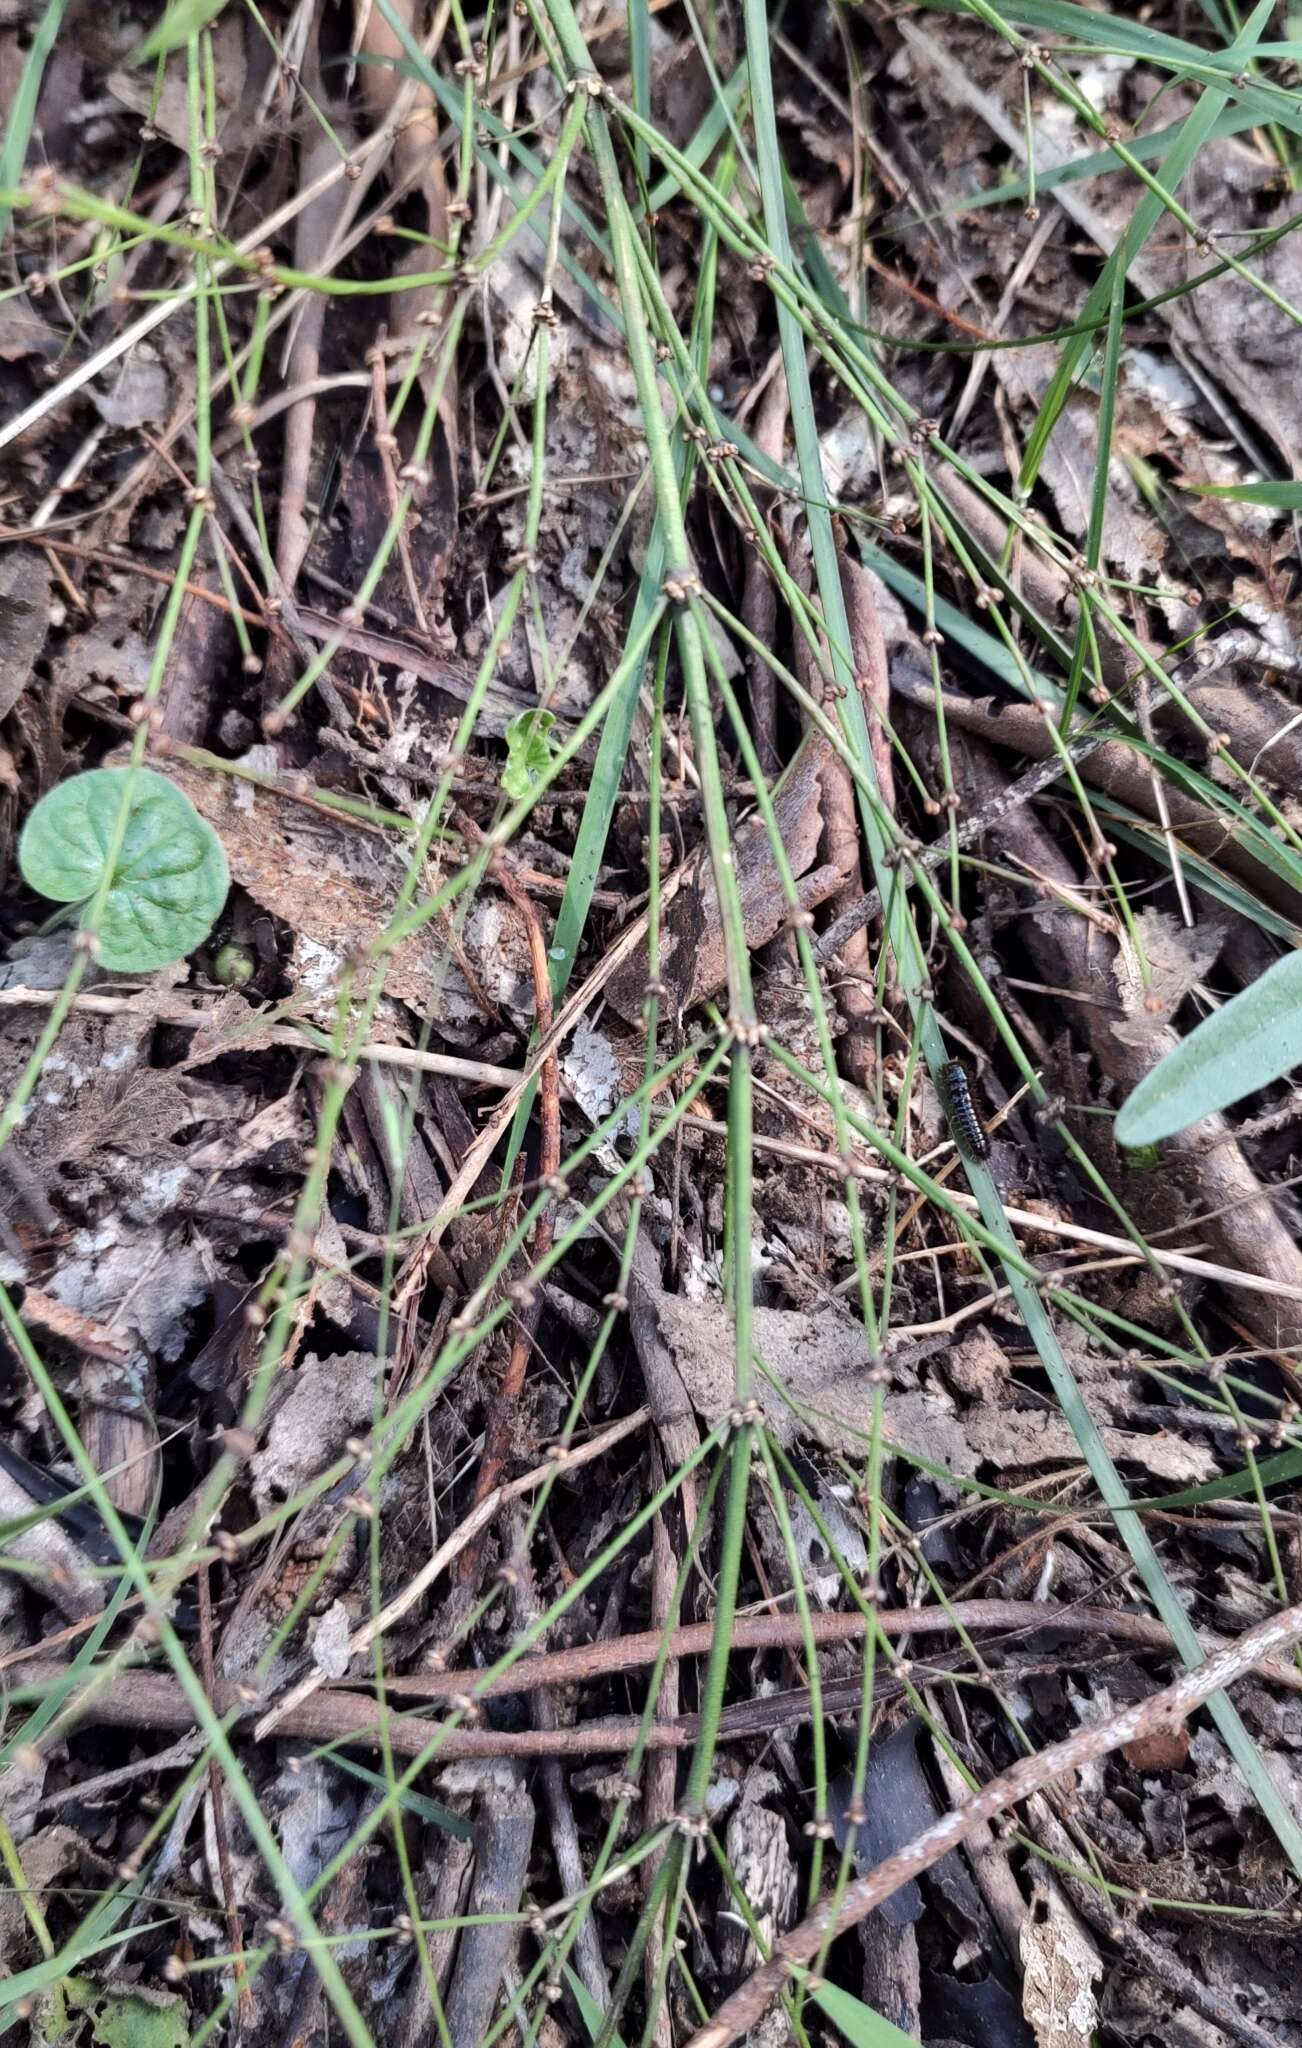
(314, 231)
(666, 1396)
(151, 1699)
(504, 1826)
(230, 1897)
(587, 1661)
(660, 1777)
(162, 1007)
(1027, 786)
(566, 1848)
(839, 845)
(1120, 772)
(1030, 1774)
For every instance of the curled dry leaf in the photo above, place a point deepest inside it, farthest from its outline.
(165, 103)
(824, 1362)
(1178, 958)
(335, 884)
(693, 963)
(325, 1402)
(24, 620)
(330, 1641)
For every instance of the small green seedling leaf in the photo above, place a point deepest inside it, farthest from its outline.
(130, 2019)
(410, 1802)
(1144, 1159)
(1283, 496)
(169, 881)
(592, 2015)
(181, 19)
(857, 2022)
(1252, 1040)
(528, 752)
(235, 964)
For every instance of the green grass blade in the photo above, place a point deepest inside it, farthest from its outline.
(857, 2022)
(18, 127)
(1285, 496)
(1096, 163)
(1276, 1471)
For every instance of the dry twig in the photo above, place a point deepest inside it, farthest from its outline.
(1166, 1709)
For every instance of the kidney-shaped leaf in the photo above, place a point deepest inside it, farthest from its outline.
(169, 880)
(1249, 1042)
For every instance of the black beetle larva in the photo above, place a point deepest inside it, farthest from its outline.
(966, 1125)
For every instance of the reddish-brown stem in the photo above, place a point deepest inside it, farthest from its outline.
(497, 1428)
(220, 1832)
(147, 1699)
(386, 443)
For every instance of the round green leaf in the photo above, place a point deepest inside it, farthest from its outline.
(1252, 1040)
(170, 879)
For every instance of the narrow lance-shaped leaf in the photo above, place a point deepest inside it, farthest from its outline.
(1281, 494)
(857, 2022)
(179, 22)
(1249, 1042)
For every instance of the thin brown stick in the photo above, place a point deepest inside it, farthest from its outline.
(839, 848)
(234, 1926)
(759, 604)
(607, 1659)
(164, 1008)
(872, 673)
(153, 1700)
(556, 1792)
(497, 1427)
(123, 1703)
(121, 558)
(1030, 1774)
(1049, 1226)
(855, 986)
(1027, 786)
(661, 1766)
(314, 230)
(386, 442)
